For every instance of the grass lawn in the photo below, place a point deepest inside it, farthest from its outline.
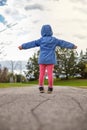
(72, 82)
(8, 85)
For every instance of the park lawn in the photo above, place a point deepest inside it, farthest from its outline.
(70, 82)
(8, 85)
(74, 82)
(82, 83)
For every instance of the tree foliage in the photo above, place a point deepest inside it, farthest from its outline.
(4, 75)
(66, 63)
(82, 64)
(32, 67)
(69, 63)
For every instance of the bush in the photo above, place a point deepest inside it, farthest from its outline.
(4, 75)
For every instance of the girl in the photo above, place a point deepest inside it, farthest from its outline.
(47, 58)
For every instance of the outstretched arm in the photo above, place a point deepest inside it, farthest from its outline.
(65, 44)
(31, 44)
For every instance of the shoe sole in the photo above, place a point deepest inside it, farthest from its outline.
(49, 92)
(42, 91)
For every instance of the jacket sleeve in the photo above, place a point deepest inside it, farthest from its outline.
(64, 44)
(31, 44)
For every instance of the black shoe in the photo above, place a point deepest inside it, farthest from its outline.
(41, 89)
(49, 90)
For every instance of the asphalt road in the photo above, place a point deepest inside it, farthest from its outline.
(26, 109)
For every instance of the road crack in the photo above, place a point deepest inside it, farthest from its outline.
(40, 125)
(35, 115)
(78, 103)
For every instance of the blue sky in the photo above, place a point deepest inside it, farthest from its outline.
(21, 21)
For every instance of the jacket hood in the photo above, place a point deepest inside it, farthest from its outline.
(46, 30)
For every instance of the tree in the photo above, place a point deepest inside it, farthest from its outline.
(4, 75)
(67, 60)
(32, 67)
(20, 78)
(58, 66)
(82, 64)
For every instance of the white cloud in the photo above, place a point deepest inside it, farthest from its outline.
(79, 1)
(67, 18)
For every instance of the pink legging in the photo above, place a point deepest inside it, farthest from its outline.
(42, 69)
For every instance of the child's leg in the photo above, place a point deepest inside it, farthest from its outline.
(42, 68)
(50, 68)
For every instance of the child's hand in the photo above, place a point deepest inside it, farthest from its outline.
(20, 47)
(75, 47)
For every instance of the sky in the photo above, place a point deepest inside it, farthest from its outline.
(21, 22)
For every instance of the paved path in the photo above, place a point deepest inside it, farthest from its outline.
(27, 109)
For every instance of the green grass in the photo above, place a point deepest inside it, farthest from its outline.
(8, 85)
(72, 82)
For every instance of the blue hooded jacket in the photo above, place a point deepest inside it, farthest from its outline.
(47, 44)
